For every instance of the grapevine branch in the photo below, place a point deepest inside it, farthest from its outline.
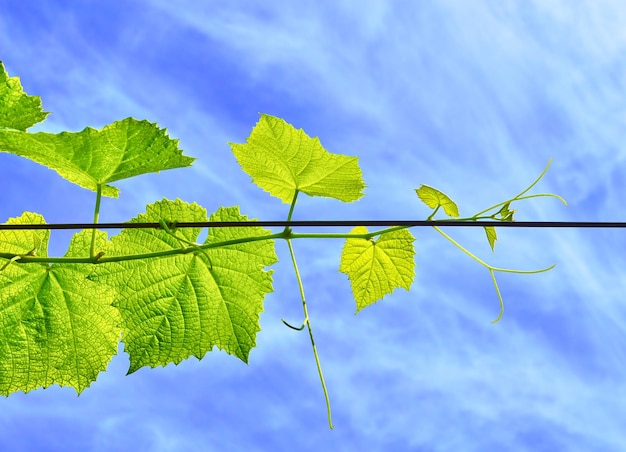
(238, 279)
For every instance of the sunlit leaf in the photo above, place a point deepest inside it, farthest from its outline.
(491, 236)
(282, 159)
(183, 305)
(18, 110)
(56, 326)
(434, 198)
(377, 267)
(93, 157)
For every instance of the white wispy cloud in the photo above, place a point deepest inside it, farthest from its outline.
(472, 98)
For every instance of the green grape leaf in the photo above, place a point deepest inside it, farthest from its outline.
(181, 305)
(377, 267)
(56, 326)
(282, 159)
(491, 236)
(18, 110)
(91, 157)
(434, 198)
(505, 213)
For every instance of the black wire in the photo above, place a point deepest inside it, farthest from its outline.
(322, 223)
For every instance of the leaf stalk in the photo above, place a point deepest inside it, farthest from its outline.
(96, 215)
(307, 322)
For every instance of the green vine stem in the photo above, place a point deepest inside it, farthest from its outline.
(26, 258)
(30, 258)
(171, 230)
(307, 322)
(288, 234)
(96, 215)
(293, 205)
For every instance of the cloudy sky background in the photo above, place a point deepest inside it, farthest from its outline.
(470, 97)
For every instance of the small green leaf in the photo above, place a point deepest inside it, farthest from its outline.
(56, 326)
(491, 236)
(18, 110)
(505, 213)
(93, 157)
(282, 159)
(181, 305)
(434, 198)
(377, 267)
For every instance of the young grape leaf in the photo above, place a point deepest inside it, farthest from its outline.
(181, 305)
(377, 267)
(505, 213)
(434, 198)
(91, 157)
(282, 159)
(56, 326)
(18, 110)
(491, 236)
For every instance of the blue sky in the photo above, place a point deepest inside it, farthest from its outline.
(470, 97)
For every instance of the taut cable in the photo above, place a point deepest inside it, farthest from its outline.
(322, 223)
